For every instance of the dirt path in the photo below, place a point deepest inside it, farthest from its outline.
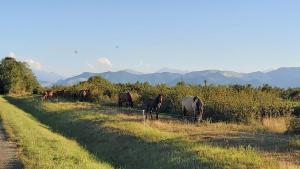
(8, 153)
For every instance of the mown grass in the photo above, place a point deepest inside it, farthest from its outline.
(126, 142)
(40, 148)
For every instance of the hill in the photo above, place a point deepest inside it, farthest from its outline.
(282, 77)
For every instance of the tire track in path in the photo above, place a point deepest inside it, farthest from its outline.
(8, 152)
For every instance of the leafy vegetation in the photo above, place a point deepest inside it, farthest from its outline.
(16, 77)
(234, 103)
(294, 126)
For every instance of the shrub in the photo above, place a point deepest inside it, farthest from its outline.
(235, 103)
(296, 111)
(294, 126)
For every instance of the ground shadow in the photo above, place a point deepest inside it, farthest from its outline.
(271, 144)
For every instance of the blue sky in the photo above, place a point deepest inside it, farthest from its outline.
(235, 35)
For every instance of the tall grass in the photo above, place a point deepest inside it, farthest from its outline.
(277, 125)
(40, 147)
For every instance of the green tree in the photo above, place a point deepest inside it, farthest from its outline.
(16, 77)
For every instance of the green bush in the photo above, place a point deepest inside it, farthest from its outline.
(235, 103)
(297, 111)
(294, 126)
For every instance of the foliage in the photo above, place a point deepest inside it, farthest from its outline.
(239, 103)
(16, 77)
(294, 126)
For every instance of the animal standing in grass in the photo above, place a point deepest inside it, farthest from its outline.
(84, 94)
(47, 94)
(192, 105)
(153, 105)
(125, 97)
(59, 94)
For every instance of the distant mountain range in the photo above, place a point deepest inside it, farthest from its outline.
(282, 77)
(172, 71)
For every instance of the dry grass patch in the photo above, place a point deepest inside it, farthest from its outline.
(276, 125)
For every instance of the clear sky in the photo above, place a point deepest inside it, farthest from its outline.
(72, 36)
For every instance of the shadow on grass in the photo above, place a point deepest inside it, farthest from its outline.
(120, 149)
(271, 143)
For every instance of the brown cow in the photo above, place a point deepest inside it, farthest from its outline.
(47, 94)
(153, 105)
(125, 97)
(84, 94)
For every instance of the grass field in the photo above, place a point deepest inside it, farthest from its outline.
(119, 138)
(41, 148)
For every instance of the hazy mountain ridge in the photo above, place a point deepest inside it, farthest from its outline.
(163, 70)
(282, 77)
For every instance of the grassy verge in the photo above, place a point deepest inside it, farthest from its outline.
(42, 148)
(126, 142)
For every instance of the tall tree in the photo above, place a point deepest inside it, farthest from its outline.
(16, 77)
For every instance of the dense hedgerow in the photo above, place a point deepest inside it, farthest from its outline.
(222, 103)
(294, 126)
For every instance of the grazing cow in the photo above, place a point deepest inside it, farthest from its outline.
(125, 97)
(60, 93)
(67, 94)
(47, 94)
(75, 95)
(192, 104)
(154, 105)
(83, 94)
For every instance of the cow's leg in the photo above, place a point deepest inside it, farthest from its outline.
(156, 114)
(198, 117)
(195, 116)
(146, 114)
(200, 114)
(151, 113)
(131, 104)
(184, 111)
